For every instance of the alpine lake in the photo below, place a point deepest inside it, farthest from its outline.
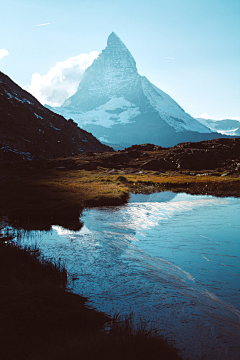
(171, 259)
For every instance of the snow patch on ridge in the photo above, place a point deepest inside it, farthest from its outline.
(38, 116)
(225, 126)
(226, 132)
(10, 96)
(169, 110)
(25, 155)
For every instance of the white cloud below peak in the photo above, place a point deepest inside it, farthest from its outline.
(62, 80)
(205, 116)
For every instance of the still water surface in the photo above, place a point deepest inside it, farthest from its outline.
(172, 259)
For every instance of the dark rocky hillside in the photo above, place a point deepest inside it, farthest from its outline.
(30, 131)
(222, 154)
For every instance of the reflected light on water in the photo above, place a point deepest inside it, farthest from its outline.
(173, 259)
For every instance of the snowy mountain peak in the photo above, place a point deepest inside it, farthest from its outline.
(118, 54)
(114, 40)
(109, 76)
(118, 105)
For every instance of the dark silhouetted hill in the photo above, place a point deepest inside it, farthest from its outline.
(30, 131)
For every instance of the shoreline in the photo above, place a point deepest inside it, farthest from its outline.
(34, 197)
(41, 319)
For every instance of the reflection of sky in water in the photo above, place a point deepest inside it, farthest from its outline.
(171, 258)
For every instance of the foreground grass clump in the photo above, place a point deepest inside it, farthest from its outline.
(39, 319)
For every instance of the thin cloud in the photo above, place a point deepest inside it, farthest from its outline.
(43, 24)
(3, 52)
(167, 57)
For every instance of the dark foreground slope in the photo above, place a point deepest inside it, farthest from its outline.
(28, 130)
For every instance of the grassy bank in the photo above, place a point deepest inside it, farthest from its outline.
(39, 319)
(196, 183)
(38, 198)
(41, 197)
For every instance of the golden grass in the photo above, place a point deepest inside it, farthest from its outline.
(85, 186)
(173, 180)
(104, 188)
(60, 195)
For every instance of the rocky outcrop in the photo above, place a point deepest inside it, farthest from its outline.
(222, 154)
(30, 131)
(206, 154)
(158, 164)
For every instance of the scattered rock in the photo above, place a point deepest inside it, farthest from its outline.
(122, 179)
(156, 164)
(159, 172)
(134, 153)
(142, 147)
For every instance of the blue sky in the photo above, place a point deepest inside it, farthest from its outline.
(190, 48)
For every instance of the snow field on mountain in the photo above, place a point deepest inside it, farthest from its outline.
(104, 115)
(169, 110)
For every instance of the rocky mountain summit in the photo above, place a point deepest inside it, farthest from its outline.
(30, 131)
(121, 107)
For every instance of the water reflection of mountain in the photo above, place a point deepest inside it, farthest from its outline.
(163, 196)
